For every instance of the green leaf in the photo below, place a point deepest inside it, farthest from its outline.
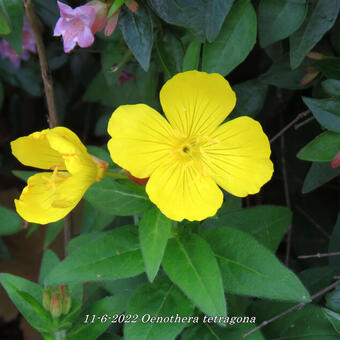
(125, 287)
(281, 75)
(321, 17)
(231, 203)
(308, 322)
(203, 18)
(333, 318)
(330, 67)
(14, 11)
(81, 240)
(235, 41)
(326, 112)
(53, 230)
(231, 331)
(27, 296)
(154, 231)
(117, 199)
(331, 87)
(322, 148)
(49, 261)
(248, 268)
(266, 223)
(94, 219)
(251, 96)
(333, 300)
(190, 264)
(10, 221)
(4, 27)
(278, 19)
(158, 299)
(317, 278)
(192, 56)
(138, 33)
(170, 53)
(112, 256)
(317, 175)
(92, 330)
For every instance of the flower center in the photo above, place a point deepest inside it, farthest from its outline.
(52, 181)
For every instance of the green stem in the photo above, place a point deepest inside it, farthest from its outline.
(126, 57)
(60, 335)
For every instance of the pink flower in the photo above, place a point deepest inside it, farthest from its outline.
(28, 45)
(75, 26)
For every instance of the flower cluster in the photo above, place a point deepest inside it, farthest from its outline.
(78, 25)
(183, 159)
(28, 45)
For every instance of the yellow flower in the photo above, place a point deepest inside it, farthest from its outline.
(190, 154)
(50, 196)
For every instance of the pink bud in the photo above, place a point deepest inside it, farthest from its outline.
(336, 160)
(111, 23)
(132, 5)
(101, 11)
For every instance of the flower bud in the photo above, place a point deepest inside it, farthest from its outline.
(101, 11)
(56, 304)
(66, 299)
(336, 160)
(132, 5)
(111, 23)
(47, 298)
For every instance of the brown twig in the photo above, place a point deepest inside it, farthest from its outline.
(294, 121)
(336, 253)
(46, 75)
(313, 222)
(298, 306)
(49, 93)
(306, 121)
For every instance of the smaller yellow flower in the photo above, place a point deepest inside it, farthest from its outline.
(50, 196)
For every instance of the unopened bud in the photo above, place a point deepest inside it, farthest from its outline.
(132, 5)
(336, 160)
(315, 56)
(47, 298)
(56, 304)
(66, 299)
(111, 23)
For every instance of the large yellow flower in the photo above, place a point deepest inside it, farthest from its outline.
(190, 154)
(50, 196)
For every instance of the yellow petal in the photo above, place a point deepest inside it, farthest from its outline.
(34, 150)
(180, 192)
(141, 139)
(47, 199)
(71, 149)
(237, 157)
(35, 203)
(197, 102)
